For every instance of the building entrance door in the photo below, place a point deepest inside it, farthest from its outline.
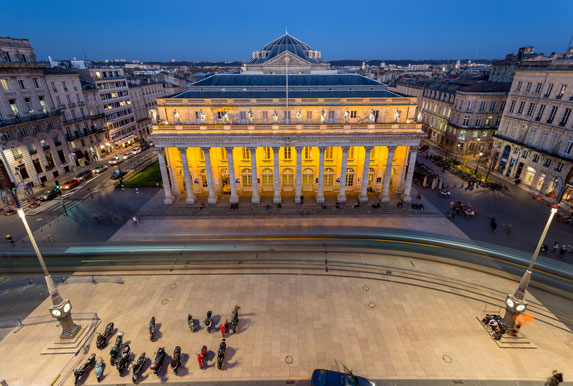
(225, 181)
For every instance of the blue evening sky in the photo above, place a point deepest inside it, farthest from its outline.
(231, 30)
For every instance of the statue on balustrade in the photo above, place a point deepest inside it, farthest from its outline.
(176, 117)
(397, 115)
(251, 116)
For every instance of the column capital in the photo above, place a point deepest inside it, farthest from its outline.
(276, 148)
(368, 148)
(299, 148)
(205, 148)
(252, 148)
(183, 150)
(322, 148)
(414, 148)
(229, 148)
(345, 148)
(392, 148)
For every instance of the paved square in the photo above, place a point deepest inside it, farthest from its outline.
(417, 322)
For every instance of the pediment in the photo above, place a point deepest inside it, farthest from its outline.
(294, 60)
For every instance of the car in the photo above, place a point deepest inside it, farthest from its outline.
(82, 176)
(50, 194)
(115, 160)
(127, 155)
(117, 175)
(70, 184)
(99, 169)
(322, 377)
(136, 150)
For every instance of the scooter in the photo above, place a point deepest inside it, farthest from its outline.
(116, 347)
(221, 354)
(224, 327)
(99, 368)
(445, 194)
(159, 356)
(137, 367)
(208, 321)
(152, 328)
(122, 363)
(191, 323)
(79, 373)
(201, 357)
(176, 360)
(101, 340)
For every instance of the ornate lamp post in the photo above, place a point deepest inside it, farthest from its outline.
(516, 304)
(479, 159)
(61, 308)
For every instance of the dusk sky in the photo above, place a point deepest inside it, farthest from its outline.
(231, 30)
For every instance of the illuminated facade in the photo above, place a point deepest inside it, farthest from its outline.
(242, 135)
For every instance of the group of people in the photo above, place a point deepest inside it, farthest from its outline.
(556, 250)
(466, 210)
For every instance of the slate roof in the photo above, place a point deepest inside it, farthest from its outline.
(245, 80)
(258, 94)
(286, 43)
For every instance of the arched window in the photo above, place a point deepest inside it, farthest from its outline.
(371, 175)
(267, 177)
(204, 177)
(246, 178)
(328, 177)
(308, 177)
(288, 177)
(349, 177)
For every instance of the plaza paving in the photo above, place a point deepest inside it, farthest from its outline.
(397, 318)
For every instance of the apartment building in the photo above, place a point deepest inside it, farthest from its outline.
(534, 143)
(32, 147)
(81, 134)
(144, 98)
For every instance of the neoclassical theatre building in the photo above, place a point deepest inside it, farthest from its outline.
(286, 127)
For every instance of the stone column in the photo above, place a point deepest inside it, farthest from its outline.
(164, 177)
(363, 195)
(385, 197)
(212, 197)
(234, 198)
(298, 174)
(411, 166)
(255, 198)
(320, 194)
(342, 191)
(277, 180)
(187, 175)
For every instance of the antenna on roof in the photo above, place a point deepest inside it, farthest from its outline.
(286, 30)
(570, 41)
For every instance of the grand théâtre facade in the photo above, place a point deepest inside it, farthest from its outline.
(234, 135)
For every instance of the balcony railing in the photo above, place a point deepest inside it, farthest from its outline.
(27, 118)
(82, 134)
(46, 147)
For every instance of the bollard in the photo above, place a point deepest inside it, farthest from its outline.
(30, 281)
(3, 383)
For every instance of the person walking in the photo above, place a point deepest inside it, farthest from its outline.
(555, 247)
(493, 224)
(562, 252)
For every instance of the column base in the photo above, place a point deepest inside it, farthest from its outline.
(190, 201)
(320, 199)
(276, 199)
(297, 199)
(255, 200)
(212, 200)
(385, 198)
(406, 198)
(168, 201)
(341, 199)
(234, 199)
(363, 198)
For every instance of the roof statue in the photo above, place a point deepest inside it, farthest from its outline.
(270, 58)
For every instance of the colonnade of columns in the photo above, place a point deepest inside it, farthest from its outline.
(255, 197)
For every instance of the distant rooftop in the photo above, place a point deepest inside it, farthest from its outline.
(276, 94)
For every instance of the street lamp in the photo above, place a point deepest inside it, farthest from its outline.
(479, 159)
(516, 304)
(61, 308)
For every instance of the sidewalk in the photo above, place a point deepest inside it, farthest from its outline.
(417, 321)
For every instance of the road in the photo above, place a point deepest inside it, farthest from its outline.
(515, 206)
(96, 195)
